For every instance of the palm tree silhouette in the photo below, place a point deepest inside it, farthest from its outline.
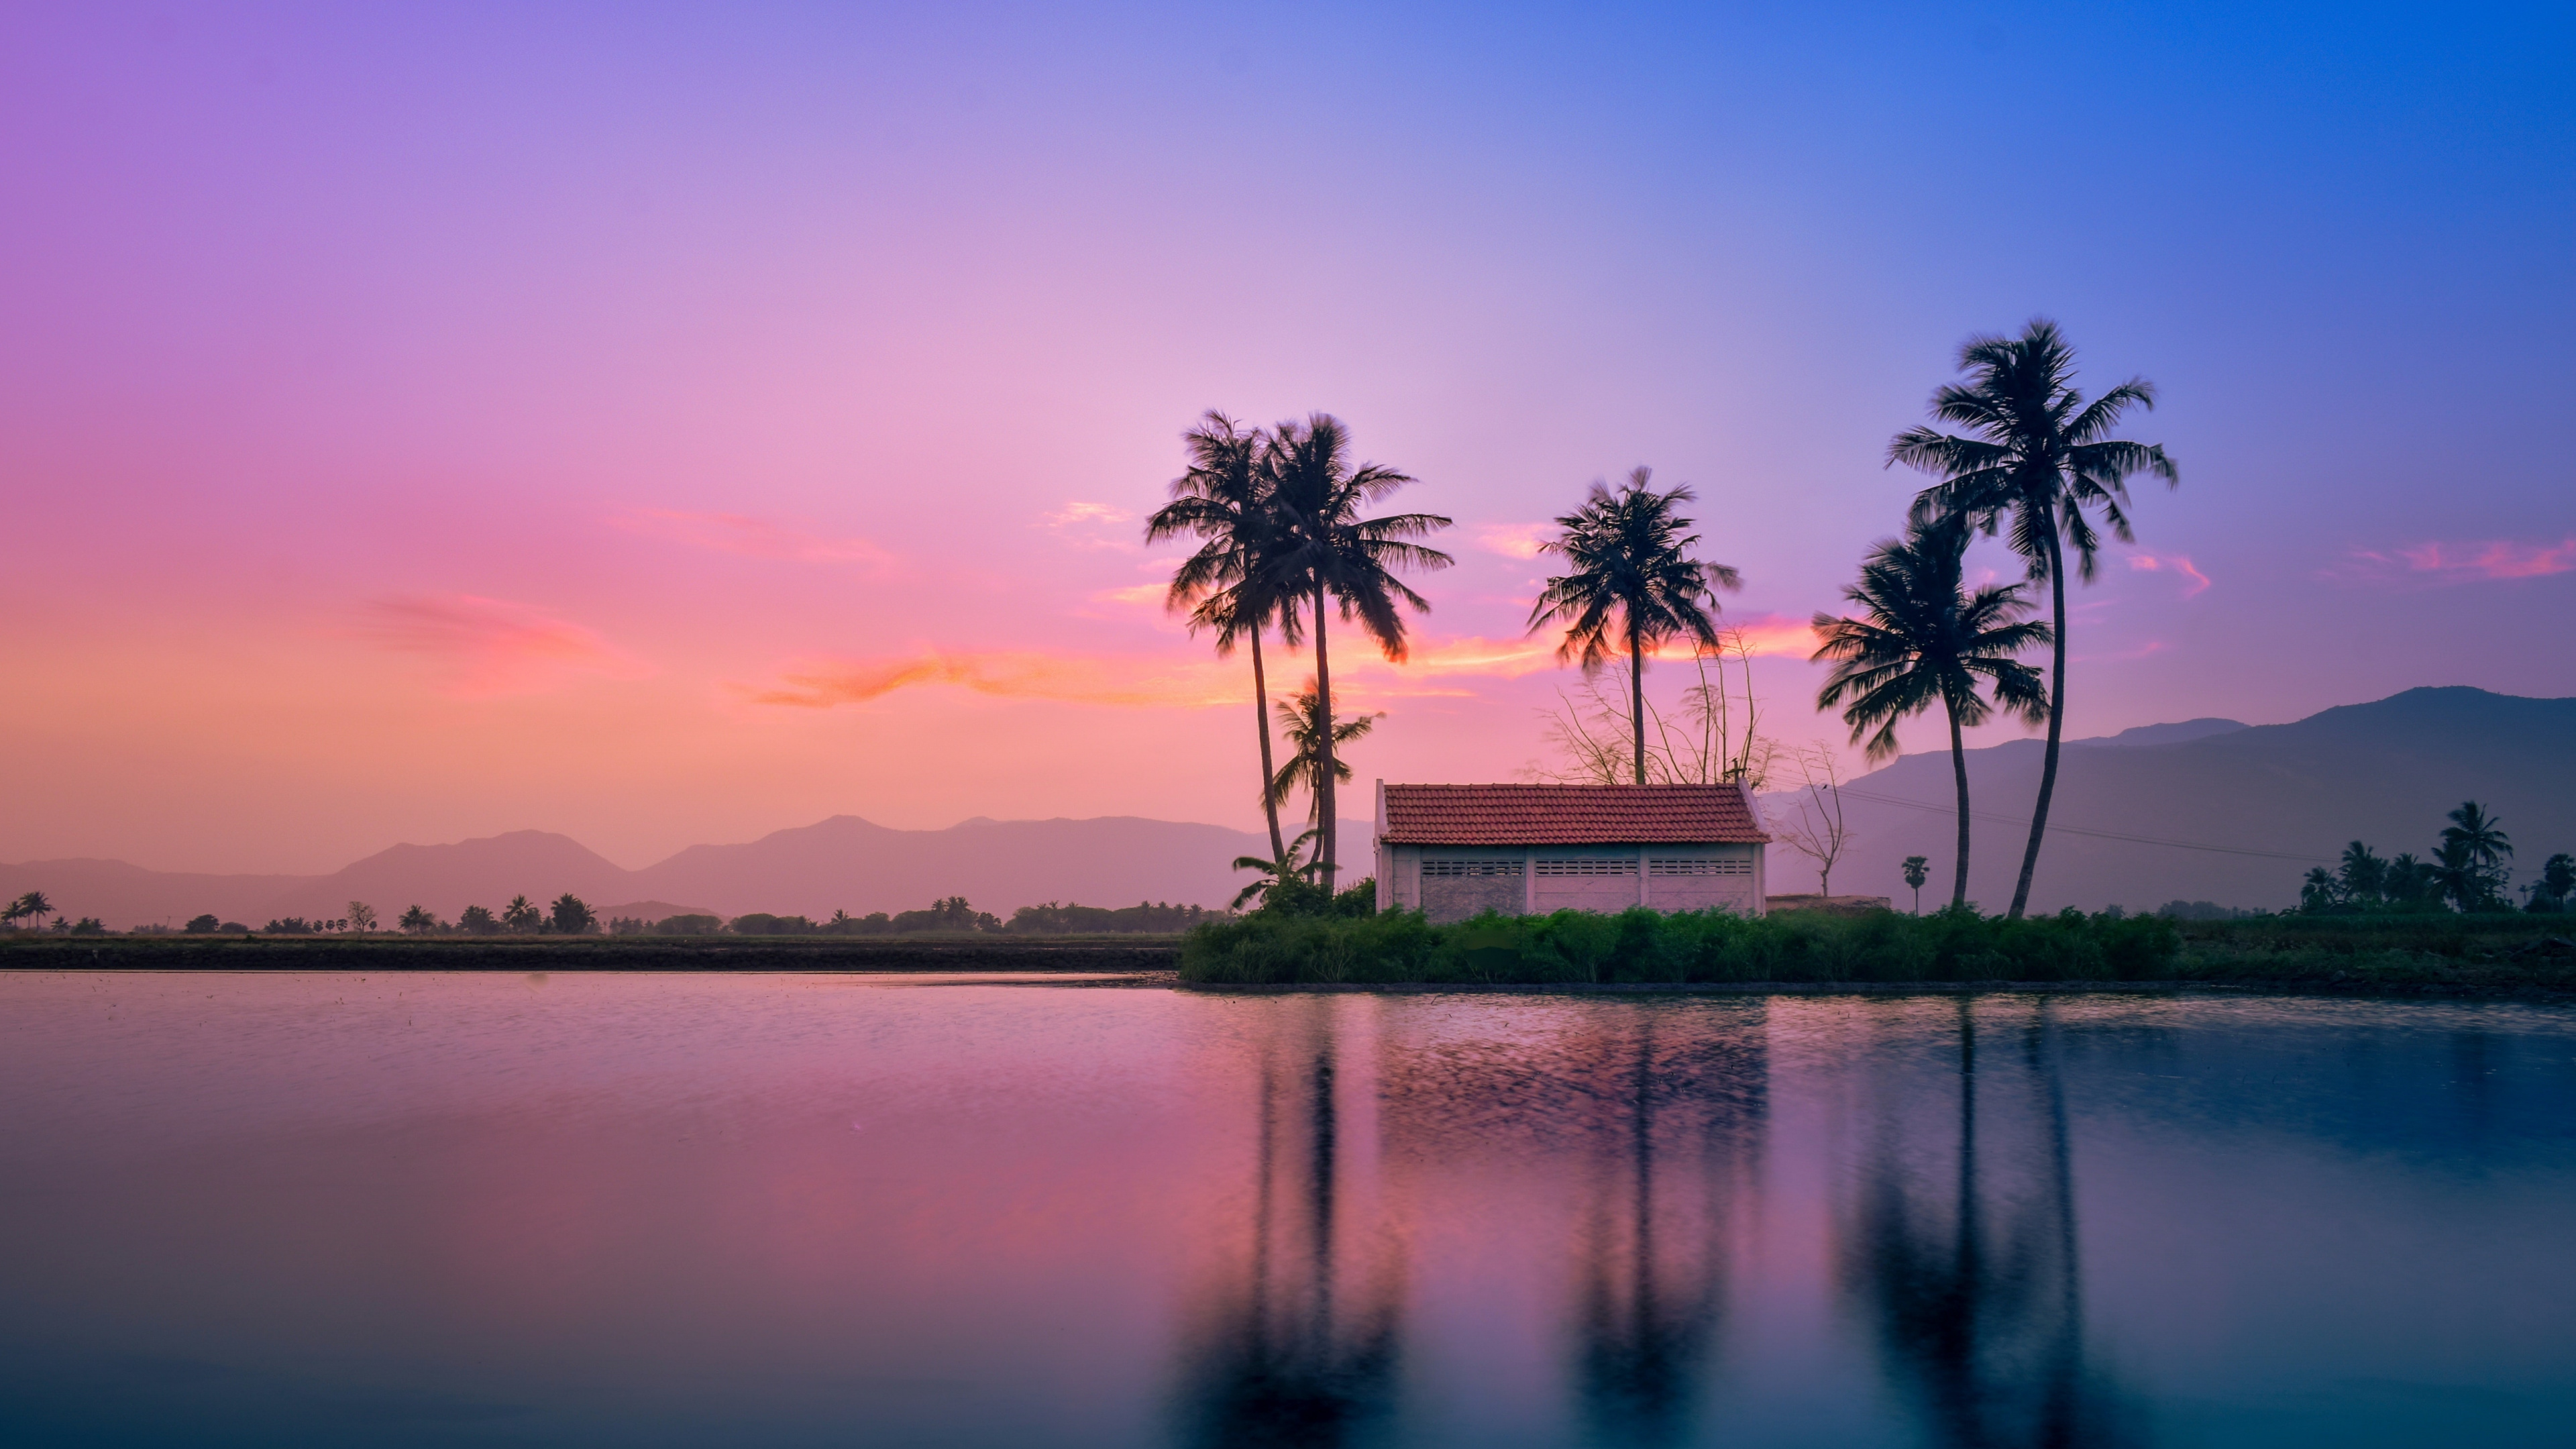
(1301, 718)
(1327, 552)
(1630, 559)
(1224, 501)
(1275, 872)
(33, 906)
(2038, 451)
(2472, 852)
(1922, 637)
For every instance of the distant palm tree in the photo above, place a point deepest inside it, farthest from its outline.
(1921, 639)
(1301, 718)
(1277, 872)
(2473, 844)
(33, 906)
(1328, 553)
(1917, 870)
(2363, 876)
(2034, 449)
(1634, 585)
(1224, 501)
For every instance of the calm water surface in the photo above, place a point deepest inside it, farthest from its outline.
(648, 1210)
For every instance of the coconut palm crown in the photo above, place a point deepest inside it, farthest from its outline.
(1920, 640)
(2032, 449)
(1633, 587)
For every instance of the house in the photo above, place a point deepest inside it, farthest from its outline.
(1454, 850)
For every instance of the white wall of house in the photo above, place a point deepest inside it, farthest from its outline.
(1451, 883)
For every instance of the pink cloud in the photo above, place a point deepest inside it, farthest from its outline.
(492, 646)
(2194, 580)
(2465, 562)
(752, 537)
(1514, 540)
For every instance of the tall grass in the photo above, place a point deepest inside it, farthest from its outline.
(1642, 946)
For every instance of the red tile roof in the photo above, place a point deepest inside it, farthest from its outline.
(1569, 815)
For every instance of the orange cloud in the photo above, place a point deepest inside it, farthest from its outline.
(2194, 580)
(752, 537)
(492, 646)
(1433, 667)
(1008, 674)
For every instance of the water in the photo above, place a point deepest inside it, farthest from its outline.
(291, 1210)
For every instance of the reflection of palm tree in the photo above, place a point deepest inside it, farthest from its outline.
(1983, 1323)
(1276, 1360)
(1630, 559)
(1328, 552)
(1922, 638)
(1654, 1256)
(2036, 450)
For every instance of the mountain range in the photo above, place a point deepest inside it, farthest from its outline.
(2213, 810)
(2203, 809)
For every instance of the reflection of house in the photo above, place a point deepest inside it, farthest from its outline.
(1454, 850)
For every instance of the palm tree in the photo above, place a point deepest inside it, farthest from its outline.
(1630, 560)
(1923, 638)
(1916, 870)
(2473, 851)
(2036, 450)
(1224, 501)
(1301, 717)
(1278, 872)
(33, 906)
(1326, 552)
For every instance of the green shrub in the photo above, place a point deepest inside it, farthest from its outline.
(1642, 946)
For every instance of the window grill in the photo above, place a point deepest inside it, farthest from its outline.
(1452, 869)
(1700, 867)
(1590, 865)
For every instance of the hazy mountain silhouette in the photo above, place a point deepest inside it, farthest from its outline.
(846, 863)
(448, 878)
(125, 896)
(2382, 772)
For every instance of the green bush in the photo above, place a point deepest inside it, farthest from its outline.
(1708, 946)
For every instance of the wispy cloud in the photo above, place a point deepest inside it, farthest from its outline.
(1514, 540)
(2444, 563)
(1432, 667)
(1081, 512)
(752, 537)
(492, 646)
(2194, 581)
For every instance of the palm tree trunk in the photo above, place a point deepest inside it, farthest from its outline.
(1637, 699)
(1261, 717)
(2056, 720)
(1959, 770)
(1326, 821)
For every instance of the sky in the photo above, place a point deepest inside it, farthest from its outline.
(672, 424)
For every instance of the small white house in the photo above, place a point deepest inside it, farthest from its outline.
(1451, 851)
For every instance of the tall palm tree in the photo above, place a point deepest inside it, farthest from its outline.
(1301, 718)
(2035, 450)
(33, 906)
(1328, 554)
(1224, 501)
(1633, 587)
(1921, 639)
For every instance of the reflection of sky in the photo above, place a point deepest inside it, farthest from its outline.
(657, 1209)
(440, 422)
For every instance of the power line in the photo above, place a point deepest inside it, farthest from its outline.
(2095, 834)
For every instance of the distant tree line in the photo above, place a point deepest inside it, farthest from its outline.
(2467, 872)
